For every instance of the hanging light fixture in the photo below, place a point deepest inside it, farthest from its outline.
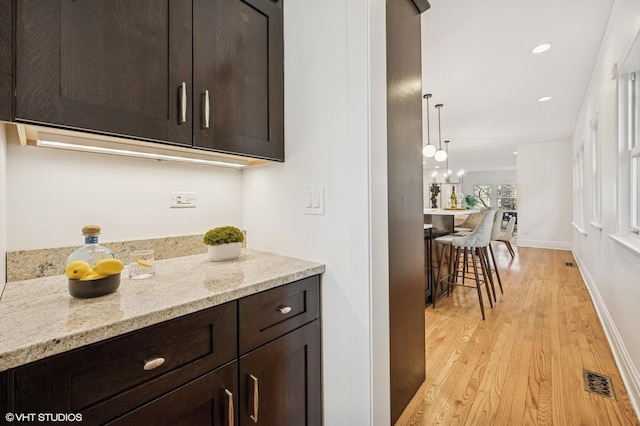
(440, 154)
(448, 173)
(429, 150)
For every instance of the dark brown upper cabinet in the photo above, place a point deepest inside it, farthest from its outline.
(109, 66)
(238, 70)
(204, 73)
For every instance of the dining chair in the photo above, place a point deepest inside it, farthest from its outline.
(505, 237)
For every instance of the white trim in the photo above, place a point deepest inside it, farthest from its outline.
(597, 225)
(629, 242)
(579, 228)
(553, 245)
(623, 360)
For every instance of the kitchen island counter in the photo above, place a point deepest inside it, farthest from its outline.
(41, 319)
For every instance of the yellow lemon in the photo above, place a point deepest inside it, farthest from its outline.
(106, 267)
(77, 269)
(91, 275)
(144, 263)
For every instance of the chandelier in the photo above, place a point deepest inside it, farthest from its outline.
(447, 176)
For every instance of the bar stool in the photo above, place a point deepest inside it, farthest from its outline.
(445, 257)
(474, 244)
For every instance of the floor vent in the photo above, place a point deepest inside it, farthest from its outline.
(598, 384)
(569, 264)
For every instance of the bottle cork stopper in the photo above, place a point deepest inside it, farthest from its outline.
(91, 229)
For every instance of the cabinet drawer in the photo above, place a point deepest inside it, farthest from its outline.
(268, 315)
(99, 371)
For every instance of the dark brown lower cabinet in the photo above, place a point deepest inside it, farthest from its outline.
(208, 400)
(280, 382)
(188, 371)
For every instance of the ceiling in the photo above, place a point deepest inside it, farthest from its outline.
(477, 62)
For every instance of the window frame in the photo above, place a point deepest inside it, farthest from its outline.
(489, 202)
(578, 189)
(628, 156)
(596, 175)
(629, 152)
(499, 198)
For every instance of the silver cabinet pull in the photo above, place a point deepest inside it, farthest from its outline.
(229, 407)
(207, 111)
(256, 399)
(153, 363)
(284, 309)
(183, 102)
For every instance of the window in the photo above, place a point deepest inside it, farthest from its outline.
(483, 193)
(578, 184)
(628, 156)
(508, 197)
(631, 152)
(596, 192)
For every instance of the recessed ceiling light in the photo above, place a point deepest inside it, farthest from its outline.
(541, 48)
(545, 98)
(515, 152)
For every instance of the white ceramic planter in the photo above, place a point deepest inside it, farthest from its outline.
(224, 252)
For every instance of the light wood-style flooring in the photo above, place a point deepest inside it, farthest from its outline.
(524, 364)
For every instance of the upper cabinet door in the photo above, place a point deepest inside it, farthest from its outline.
(111, 66)
(239, 77)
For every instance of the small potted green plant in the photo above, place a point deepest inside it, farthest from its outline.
(471, 201)
(224, 243)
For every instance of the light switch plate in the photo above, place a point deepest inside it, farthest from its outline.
(313, 199)
(181, 199)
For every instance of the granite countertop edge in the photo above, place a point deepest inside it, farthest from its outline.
(16, 353)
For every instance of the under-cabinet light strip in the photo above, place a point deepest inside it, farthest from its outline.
(128, 153)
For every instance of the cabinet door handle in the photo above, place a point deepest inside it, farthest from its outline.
(207, 112)
(183, 102)
(229, 407)
(256, 399)
(153, 363)
(284, 309)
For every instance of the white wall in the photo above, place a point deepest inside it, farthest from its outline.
(52, 193)
(3, 210)
(335, 130)
(545, 209)
(610, 269)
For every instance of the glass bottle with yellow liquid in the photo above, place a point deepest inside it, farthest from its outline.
(454, 198)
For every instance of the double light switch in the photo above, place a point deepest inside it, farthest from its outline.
(313, 200)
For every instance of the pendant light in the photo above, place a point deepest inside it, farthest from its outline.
(429, 150)
(441, 154)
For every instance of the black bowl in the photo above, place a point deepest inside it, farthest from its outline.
(94, 288)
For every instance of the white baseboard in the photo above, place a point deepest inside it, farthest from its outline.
(553, 245)
(628, 370)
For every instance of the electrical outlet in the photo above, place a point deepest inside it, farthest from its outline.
(178, 199)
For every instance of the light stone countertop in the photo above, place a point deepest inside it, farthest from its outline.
(39, 318)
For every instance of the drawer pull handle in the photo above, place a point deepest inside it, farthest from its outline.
(256, 399)
(229, 407)
(284, 309)
(183, 103)
(153, 363)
